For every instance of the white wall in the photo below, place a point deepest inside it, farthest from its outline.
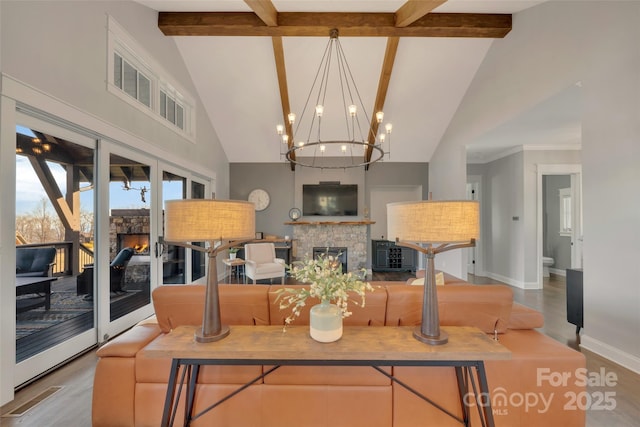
(60, 49)
(594, 43)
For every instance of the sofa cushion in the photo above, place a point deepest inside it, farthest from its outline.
(420, 281)
(34, 262)
(177, 305)
(372, 314)
(523, 317)
(130, 342)
(487, 307)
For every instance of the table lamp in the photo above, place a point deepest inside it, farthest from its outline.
(220, 223)
(431, 227)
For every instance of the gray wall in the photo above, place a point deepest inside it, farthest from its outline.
(285, 186)
(278, 180)
(508, 190)
(553, 244)
(529, 66)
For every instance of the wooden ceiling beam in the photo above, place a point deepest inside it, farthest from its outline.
(50, 186)
(265, 10)
(278, 53)
(316, 24)
(383, 86)
(413, 10)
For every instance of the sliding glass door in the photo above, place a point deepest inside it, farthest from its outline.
(95, 208)
(55, 239)
(129, 243)
(176, 268)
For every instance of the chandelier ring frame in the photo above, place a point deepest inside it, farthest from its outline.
(293, 154)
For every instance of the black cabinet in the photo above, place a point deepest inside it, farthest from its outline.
(575, 298)
(389, 257)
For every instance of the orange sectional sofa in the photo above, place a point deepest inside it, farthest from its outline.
(129, 388)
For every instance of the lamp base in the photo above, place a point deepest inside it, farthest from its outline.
(443, 338)
(200, 337)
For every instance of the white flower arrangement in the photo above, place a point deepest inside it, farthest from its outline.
(327, 283)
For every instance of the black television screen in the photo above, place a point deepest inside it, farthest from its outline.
(330, 199)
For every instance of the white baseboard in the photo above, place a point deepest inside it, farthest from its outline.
(614, 354)
(512, 282)
(558, 271)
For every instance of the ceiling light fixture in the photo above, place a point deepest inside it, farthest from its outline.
(361, 146)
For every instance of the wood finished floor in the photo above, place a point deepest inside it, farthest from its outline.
(71, 406)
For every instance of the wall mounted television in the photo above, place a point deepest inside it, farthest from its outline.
(329, 199)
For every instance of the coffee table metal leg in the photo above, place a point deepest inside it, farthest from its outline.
(171, 388)
(484, 393)
(191, 391)
(463, 389)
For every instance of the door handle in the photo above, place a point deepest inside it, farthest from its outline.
(159, 247)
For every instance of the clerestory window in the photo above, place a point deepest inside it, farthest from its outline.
(136, 78)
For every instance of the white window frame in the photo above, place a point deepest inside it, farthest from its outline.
(121, 43)
(120, 91)
(566, 202)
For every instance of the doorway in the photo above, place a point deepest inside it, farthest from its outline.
(559, 218)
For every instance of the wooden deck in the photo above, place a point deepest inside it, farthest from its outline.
(39, 329)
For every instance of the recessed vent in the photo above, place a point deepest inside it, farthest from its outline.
(24, 408)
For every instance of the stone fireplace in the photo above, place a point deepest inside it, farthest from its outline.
(129, 228)
(349, 236)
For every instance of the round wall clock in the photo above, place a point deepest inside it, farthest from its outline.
(294, 214)
(260, 198)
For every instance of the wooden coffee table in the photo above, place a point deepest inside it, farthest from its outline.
(34, 285)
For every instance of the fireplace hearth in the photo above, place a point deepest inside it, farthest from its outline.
(338, 252)
(348, 235)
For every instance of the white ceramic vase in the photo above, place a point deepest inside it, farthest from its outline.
(325, 323)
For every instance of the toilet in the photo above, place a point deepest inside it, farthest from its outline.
(546, 263)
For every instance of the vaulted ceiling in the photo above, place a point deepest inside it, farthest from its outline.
(253, 61)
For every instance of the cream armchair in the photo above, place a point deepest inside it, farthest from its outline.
(261, 262)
